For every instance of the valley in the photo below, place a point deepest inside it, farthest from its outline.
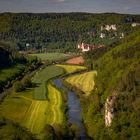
(41, 105)
(73, 76)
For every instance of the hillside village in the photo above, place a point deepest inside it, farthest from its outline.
(104, 28)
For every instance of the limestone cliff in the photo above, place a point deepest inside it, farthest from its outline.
(109, 110)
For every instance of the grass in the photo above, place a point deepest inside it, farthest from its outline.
(14, 107)
(51, 56)
(28, 110)
(84, 81)
(41, 78)
(55, 102)
(9, 73)
(32, 113)
(72, 68)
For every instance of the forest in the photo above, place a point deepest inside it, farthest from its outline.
(118, 76)
(61, 31)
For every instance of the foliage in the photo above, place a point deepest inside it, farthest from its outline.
(13, 131)
(118, 72)
(14, 65)
(23, 84)
(33, 30)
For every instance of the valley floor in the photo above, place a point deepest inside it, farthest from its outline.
(38, 106)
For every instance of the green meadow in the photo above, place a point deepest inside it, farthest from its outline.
(51, 56)
(84, 81)
(41, 78)
(38, 106)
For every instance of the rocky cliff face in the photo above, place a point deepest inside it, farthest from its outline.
(109, 110)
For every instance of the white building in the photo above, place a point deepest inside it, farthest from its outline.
(102, 35)
(135, 24)
(111, 27)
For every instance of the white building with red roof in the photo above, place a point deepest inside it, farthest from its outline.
(88, 47)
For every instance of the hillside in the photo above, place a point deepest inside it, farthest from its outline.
(112, 111)
(13, 65)
(63, 31)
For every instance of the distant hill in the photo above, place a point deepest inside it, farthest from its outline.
(63, 31)
(116, 97)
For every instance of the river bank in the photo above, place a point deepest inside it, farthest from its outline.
(74, 109)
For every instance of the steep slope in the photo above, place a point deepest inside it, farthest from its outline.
(117, 93)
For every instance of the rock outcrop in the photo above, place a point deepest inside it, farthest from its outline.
(109, 110)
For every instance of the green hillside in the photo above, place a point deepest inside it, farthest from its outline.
(119, 77)
(62, 31)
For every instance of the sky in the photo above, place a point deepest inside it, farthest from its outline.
(91, 6)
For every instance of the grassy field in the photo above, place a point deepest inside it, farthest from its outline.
(71, 68)
(41, 78)
(10, 72)
(32, 113)
(28, 110)
(51, 56)
(44, 112)
(14, 107)
(84, 81)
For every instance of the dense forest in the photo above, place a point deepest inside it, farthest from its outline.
(118, 79)
(63, 31)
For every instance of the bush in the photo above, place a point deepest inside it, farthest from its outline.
(27, 81)
(18, 86)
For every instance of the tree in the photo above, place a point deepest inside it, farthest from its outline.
(18, 86)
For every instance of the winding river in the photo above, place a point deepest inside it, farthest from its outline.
(74, 111)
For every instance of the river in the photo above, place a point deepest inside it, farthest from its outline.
(74, 109)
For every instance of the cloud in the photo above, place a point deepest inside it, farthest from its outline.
(127, 8)
(59, 1)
